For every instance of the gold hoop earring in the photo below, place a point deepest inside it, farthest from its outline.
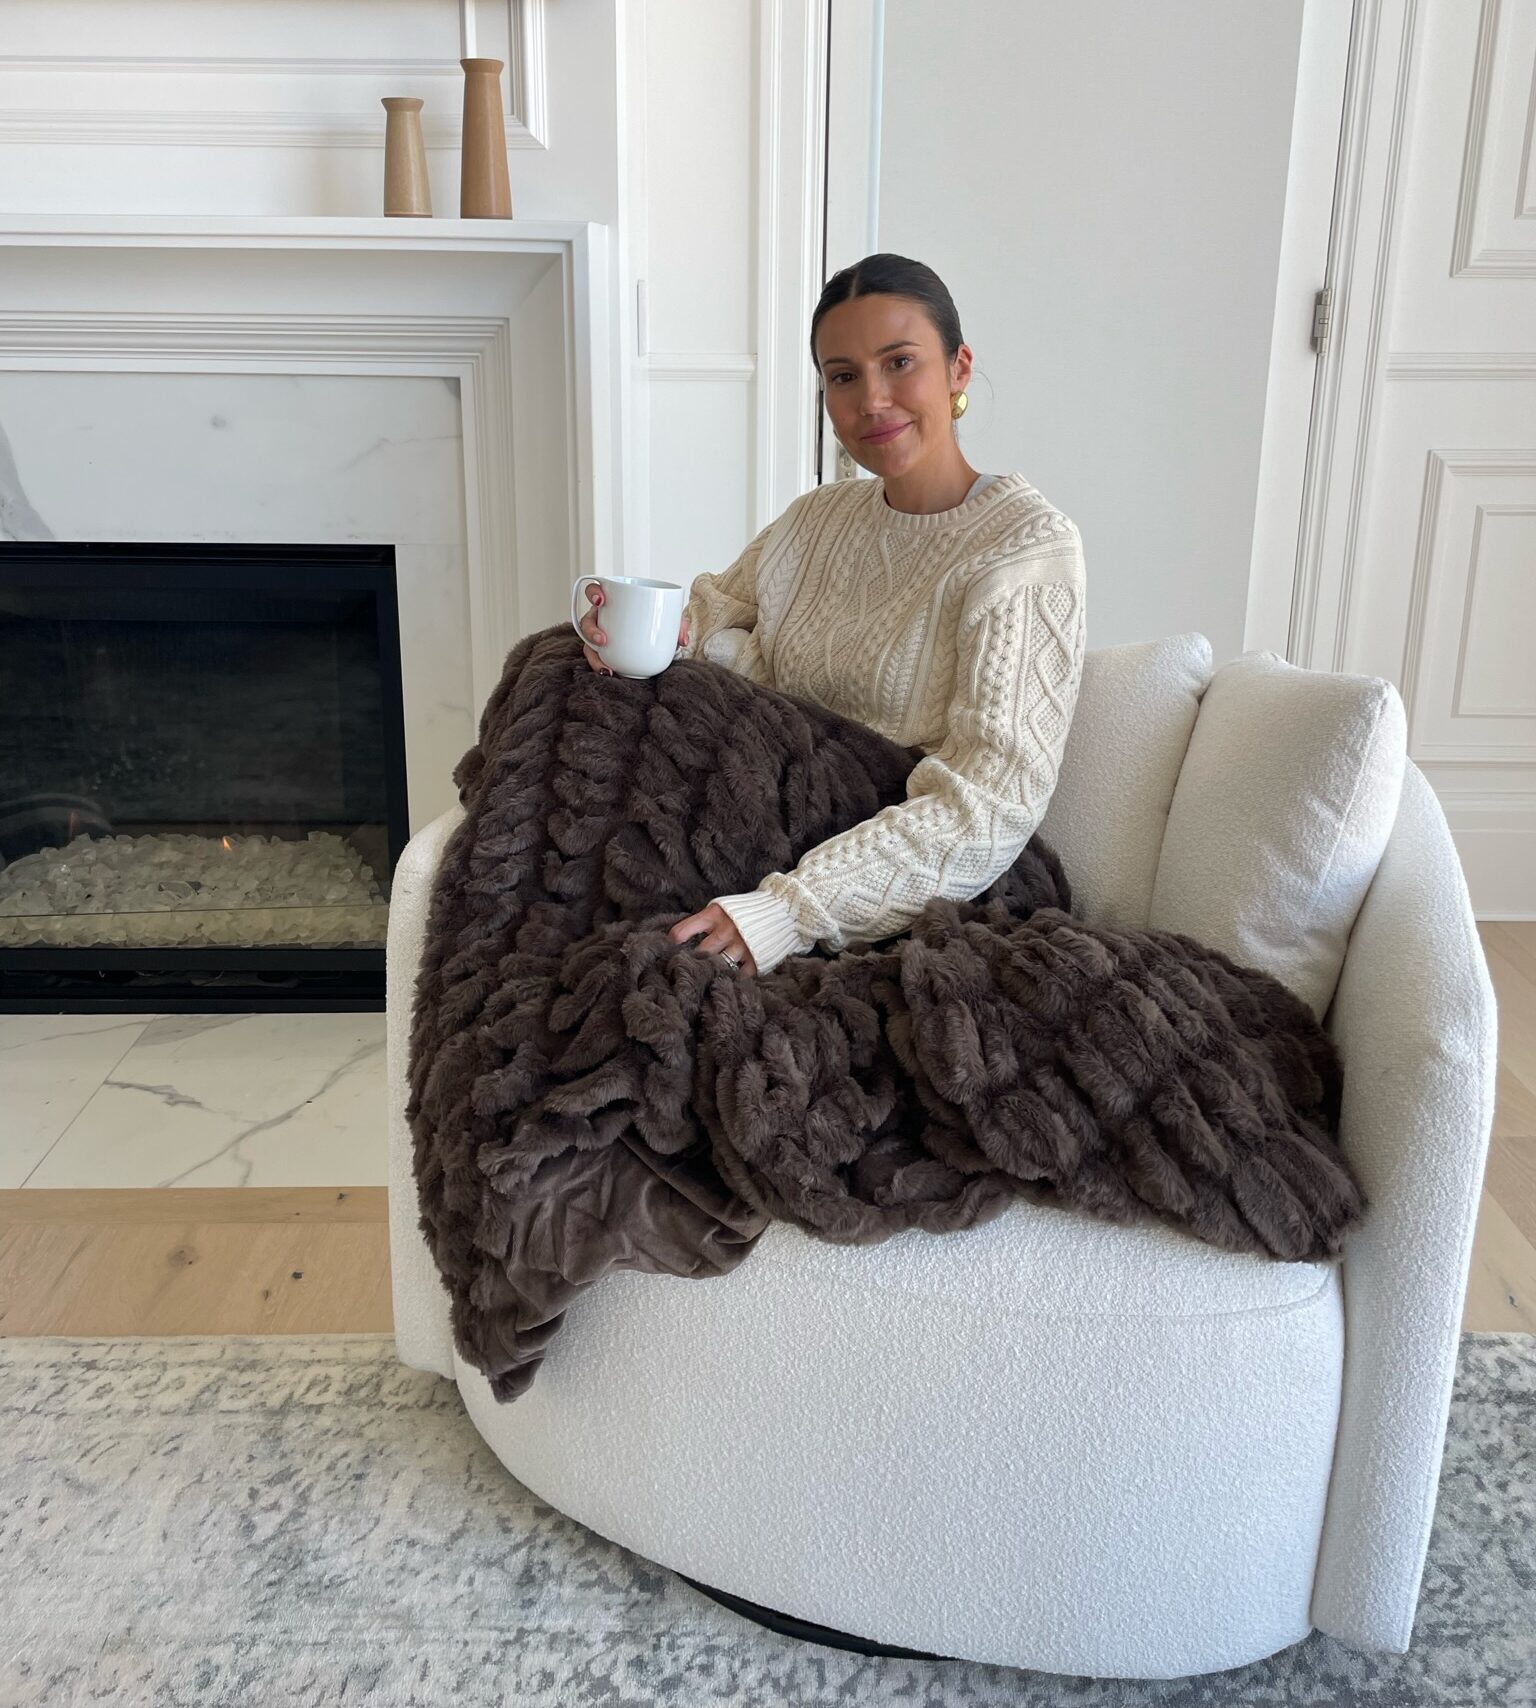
(957, 405)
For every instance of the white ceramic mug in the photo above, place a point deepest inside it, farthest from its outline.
(641, 619)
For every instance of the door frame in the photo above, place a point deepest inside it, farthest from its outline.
(851, 223)
(1370, 186)
(1279, 564)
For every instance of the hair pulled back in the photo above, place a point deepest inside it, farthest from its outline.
(898, 276)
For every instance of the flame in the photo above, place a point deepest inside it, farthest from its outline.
(228, 846)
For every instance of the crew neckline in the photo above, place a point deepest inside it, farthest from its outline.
(938, 521)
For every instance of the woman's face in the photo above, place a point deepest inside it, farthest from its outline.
(870, 386)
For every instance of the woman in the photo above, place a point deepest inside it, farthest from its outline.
(942, 607)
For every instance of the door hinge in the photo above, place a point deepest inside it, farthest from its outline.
(1322, 316)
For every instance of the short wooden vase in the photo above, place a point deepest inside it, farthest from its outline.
(485, 191)
(407, 191)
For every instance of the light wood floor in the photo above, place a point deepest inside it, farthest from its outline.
(316, 1260)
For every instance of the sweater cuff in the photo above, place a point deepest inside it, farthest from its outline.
(766, 925)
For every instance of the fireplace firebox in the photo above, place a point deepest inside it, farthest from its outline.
(202, 775)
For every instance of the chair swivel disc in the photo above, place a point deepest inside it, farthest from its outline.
(807, 1630)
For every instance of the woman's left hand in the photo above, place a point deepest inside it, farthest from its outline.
(720, 935)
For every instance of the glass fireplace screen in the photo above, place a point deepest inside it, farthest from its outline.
(199, 746)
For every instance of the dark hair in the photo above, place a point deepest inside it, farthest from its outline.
(897, 276)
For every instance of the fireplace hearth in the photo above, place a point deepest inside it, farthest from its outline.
(202, 775)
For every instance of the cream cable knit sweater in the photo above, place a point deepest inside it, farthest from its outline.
(960, 632)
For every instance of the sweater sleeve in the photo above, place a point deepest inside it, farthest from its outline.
(973, 803)
(722, 613)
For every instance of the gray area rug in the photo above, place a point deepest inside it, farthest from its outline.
(284, 1520)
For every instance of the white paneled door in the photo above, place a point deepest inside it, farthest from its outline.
(1421, 539)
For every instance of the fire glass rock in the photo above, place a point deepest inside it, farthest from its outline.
(176, 889)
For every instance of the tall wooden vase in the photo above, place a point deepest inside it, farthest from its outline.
(407, 190)
(485, 191)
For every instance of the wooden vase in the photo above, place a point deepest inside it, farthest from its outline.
(485, 191)
(407, 191)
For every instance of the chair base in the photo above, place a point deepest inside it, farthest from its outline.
(805, 1629)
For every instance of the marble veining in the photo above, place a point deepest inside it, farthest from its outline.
(18, 520)
(266, 1100)
(51, 1065)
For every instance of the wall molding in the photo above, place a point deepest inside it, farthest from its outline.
(1489, 261)
(790, 196)
(788, 166)
(700, 365)
(1495, 836)
(1440, 467)
(438, 81)
(1459, 365)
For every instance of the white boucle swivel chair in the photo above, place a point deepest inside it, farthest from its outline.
(1053, 1442)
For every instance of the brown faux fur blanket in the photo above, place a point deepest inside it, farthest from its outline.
(587, 1094)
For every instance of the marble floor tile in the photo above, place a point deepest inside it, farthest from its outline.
(50, 1067)
(234, 1100)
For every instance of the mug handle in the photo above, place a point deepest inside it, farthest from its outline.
(579, 592)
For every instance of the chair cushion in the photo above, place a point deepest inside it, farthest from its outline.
(1283, 807)
(1136, 706)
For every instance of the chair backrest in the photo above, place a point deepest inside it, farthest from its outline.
(1283, 807)
(1246, 807)
(1136, 709)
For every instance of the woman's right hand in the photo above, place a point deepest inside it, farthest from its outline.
(589, 627)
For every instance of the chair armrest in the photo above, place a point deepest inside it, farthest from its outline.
(1415, 1021)
(423, 1334)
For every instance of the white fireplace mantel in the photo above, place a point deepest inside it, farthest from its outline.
(512, 315)
(574, 409)
(292, 231)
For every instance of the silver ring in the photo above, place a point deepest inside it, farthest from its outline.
(730, 957)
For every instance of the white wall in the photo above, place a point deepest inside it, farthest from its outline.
(272, 106)
(1102, 188)
(1116, 281)
(696, 205)
(1104, 191)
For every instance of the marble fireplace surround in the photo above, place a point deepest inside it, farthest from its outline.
(437, 385)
